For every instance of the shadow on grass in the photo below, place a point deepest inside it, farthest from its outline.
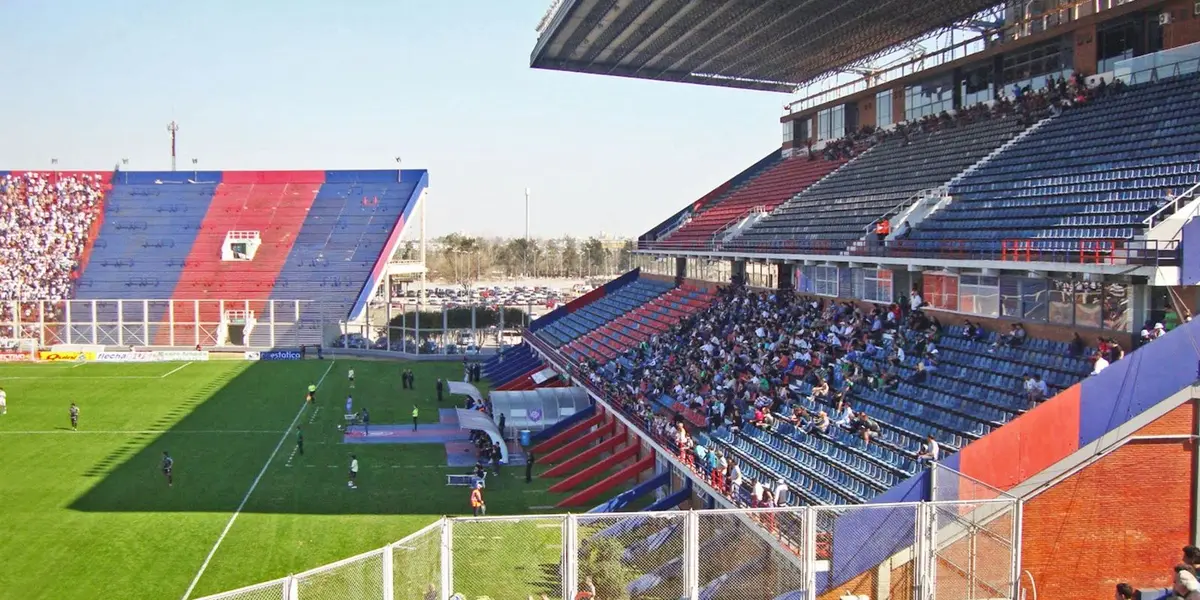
(221, 434)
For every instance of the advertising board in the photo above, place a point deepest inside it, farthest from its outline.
(279, 355)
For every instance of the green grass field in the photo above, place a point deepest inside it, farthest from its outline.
(88, 514)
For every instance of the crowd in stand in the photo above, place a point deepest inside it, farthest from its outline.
(1024, 102)
(748, 359)
(45, 220)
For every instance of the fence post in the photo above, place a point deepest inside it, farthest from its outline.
(691, 555)
(447, 559)
(388, 593)
(810, 552)
(1015, 555)
(570, 580)
(291, 589)
(920, 549)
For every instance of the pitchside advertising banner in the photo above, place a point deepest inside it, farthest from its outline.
(124, 357)
(274, 355)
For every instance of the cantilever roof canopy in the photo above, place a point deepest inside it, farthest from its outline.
(775, 45)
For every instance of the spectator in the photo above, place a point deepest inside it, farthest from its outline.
(915, 301)
(1186, 586)
(1124, 591)
(1014, 338)
(930, 450)
(1076, 347)
(1035, 389)
(865, 426)
(1099, 364)
(45, 221)
(820, 424)
(972, 331)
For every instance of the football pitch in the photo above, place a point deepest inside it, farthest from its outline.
(88, 513)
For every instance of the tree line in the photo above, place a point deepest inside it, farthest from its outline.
(465, 259)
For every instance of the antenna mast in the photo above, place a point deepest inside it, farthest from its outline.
(173, 127)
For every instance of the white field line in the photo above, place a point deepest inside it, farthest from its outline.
(78, 365)
(81, 377)
(175, 370)
(133, 431)
(250, 491)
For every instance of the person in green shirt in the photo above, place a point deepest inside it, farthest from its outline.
(299, 441)
(312, 393)
(415, 413)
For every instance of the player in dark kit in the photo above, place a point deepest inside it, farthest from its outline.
(74, 417)
(300, 441)
(168, 463)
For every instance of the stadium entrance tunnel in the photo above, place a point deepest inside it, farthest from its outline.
(234, 445)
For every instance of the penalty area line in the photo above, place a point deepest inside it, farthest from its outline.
(250, 491)
(173, 371)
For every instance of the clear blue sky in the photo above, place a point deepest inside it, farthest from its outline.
(302, 84)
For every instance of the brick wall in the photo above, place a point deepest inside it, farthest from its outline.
(1185, 24)
(1124, 518)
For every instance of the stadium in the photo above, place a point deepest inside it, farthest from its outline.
(936, 344)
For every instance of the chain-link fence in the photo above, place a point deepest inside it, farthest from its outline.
(271, 590)
(636, 555)
(417, 564)
(943, 550)
(508, 557)
(361, 578)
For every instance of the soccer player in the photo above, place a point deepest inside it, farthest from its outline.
(312, 393)
(300, 441)
(353, 472)
(74, 410)
(168, 464)
(3, 402)
(351, 374)
(349, 404)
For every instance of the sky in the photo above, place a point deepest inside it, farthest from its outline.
(444, 84)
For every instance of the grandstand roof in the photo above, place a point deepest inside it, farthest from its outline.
(774, 45)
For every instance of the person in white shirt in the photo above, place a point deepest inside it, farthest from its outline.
(735, 479)
(780, 492)
(1100, 365)
(353, 472)
(351, 376)
(3, 402)
(930, 450)
(757, 496)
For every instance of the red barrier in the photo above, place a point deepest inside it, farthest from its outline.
(583, 457)
(578, 444)
(568, 435)
(591, 472)
(610, 482)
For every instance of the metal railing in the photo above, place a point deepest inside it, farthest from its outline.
(1172, 206)
(1102, 251)
(949, 549)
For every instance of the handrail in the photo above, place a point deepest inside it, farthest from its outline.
(941, 191)
(1131, 252)
(1176, 203)
(761, 208)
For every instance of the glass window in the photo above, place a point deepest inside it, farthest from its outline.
(1117, 312)
(1062, 302)
(883, 108)
(1010, 296)
(1032, 66)
(876, 285)
(788, 128)
(940, 291)
(979, 295)
(831, 123)
(928, 97)
(1034, 300)
(825, 281)
(1087, 304)
(976, 85)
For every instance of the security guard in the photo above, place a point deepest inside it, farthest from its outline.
(477, 505)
